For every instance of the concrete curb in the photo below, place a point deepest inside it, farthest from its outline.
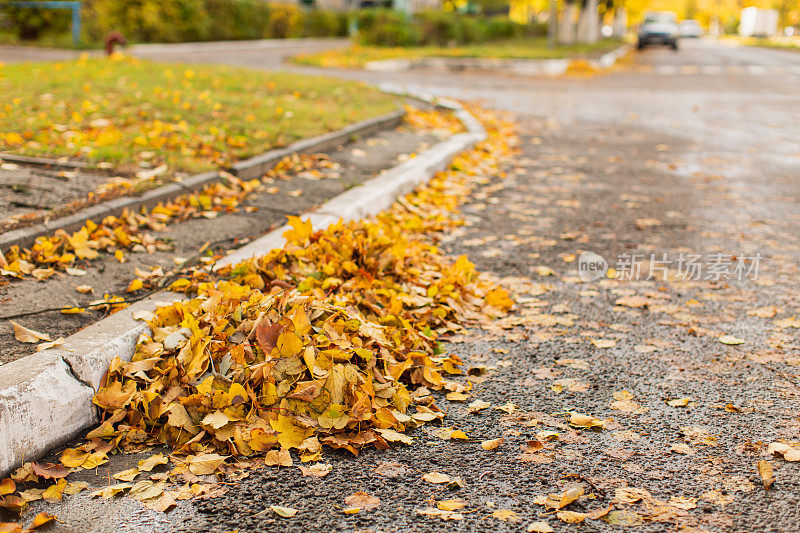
(46, 399)
(254, 167)
(520, 67)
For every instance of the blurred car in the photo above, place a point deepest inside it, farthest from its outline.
(660, 27)
(690, 28)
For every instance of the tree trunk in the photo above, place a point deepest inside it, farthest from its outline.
(566, 26)
(620, 22)
(589, 24)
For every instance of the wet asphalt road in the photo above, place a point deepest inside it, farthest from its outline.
(643, 160)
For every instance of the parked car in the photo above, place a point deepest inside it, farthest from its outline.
(690, 28)
(660, 27)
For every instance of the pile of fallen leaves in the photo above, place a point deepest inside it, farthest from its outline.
(330, 340)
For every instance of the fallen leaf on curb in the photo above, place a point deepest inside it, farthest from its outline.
(280, 457)
(680, 402)
(112, 490)
(205, 463)
(126, 475)
(54, 493)
(578, 420)
(506, 515)
(540, 527)
(147, 465)
(42, 519)
(50, 471)
(7, 486)
(285, 512)
(75, 487)
(788, 453)
(362, 501)
(507, 407)
(392, 435)
(84, 289)
(80, 458)
(436, 477)
(491, 444)
(450, 434)
(23, 334)
(316, 470)
(604, 343)
(765, 470)
(571, 517)
(730, 340)
(13, 503)
(478, 405)
(457, 396)
(47, 345)
(451, 505)
(162, 503)
(562, 499)
(147, 490)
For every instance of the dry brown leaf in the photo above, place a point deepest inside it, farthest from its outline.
(506, 515)
(285, 512)
(29, 336)
(451, 505)
(204, 463)
(316, 470)
(765, 471)
(280, 457)
(571, 517)
(41, 519)
(362, 501)
(491, 444)
(585, 421)
(436, 477)
(789, 453)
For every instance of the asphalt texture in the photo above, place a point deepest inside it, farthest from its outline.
(630, 162)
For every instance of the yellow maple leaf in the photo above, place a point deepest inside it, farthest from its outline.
(81, 244)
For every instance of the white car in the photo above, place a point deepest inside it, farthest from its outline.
(690, 28)
(660, 27)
